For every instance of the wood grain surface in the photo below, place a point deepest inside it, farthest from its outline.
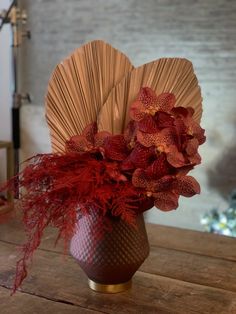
(27, 304)
(174, 279)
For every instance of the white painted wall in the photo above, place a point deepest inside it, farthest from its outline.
(5, 87)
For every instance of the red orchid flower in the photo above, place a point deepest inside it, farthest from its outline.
(167, 141)
(86, 142)
(148, 103)
(169, 129)
(115, 147)
(140, 157)
(152, 124)
(166, 190)
(192, 127)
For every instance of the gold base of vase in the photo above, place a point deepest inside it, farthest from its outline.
(116, 288)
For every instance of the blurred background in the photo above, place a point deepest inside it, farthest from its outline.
(203, 31)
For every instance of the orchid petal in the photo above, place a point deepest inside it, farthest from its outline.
(89, 132)
(148, 124)
(139, 178)
(163, 184)
(142, 156)
(100, 137)
(159, 167)
(166, 201)
(137, 111)
(115, 147)
(166, 137)
(164, 119)
(147, 97)
(175, 158)
(78, 143)
(195, 159)
(186, 186)
(165, 102)
(192, 147)
(146, 139)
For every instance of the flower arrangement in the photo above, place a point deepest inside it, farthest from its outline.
(117, 175)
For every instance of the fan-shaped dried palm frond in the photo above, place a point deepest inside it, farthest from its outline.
(78, 88)
(172, 75)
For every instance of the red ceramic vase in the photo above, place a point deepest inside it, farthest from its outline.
(111, 261)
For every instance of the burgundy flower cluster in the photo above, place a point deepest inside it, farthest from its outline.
(154, 155)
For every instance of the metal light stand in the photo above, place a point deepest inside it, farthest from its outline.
(17, 18)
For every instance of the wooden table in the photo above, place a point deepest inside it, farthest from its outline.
(186, 272)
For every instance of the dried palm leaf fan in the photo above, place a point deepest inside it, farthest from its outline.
(173, 75)
(78, 88)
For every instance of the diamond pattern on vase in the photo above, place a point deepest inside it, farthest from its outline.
(121, 250)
